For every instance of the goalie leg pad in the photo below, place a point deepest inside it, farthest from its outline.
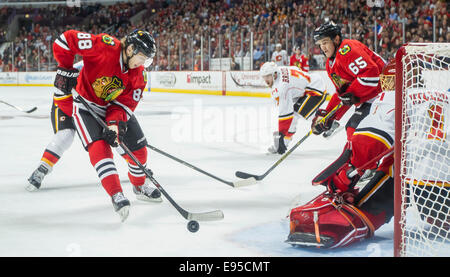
(328, 223)
(324, 176)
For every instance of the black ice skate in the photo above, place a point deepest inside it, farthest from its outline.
(147, 193)
(36, 178)
(121, 205)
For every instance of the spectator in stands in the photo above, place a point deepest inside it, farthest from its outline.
(170, 20)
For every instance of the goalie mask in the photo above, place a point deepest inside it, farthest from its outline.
(387, 76)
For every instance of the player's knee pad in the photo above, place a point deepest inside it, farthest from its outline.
(329, 222)
(99, 150)
(61, 141)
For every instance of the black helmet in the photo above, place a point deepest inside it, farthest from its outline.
(143, 42)
(329, 29)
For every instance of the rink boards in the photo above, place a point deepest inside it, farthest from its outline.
(226, 83)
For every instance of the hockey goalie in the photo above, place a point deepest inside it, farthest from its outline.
(348, 212)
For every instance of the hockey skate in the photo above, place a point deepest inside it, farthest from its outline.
(121, 205)
(36, 178)
(147, 193)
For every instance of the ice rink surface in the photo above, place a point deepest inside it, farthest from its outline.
(72, 215)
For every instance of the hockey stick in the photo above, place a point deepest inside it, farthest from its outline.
(19, 108)
(244, 175)
(241, 183)
(239, 84)
(205, 216)
(375, 159)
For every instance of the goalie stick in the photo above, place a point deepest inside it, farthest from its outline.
(204, 216)
(19, 108)
(241, 183)
(244, 175)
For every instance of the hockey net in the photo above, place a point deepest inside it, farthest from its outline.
(422, 157)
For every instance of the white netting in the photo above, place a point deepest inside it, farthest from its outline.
(425, 159)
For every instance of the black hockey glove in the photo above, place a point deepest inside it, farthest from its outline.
(317, 126)
(280, 143)
(349, 99)
(115, 132)
(66, 79)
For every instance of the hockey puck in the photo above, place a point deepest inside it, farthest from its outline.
(193, 226)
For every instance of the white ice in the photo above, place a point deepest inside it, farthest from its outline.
(71, 215)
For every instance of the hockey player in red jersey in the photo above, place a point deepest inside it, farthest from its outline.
(354, 70)
(349, 210)
(299, 60)
(111, 81)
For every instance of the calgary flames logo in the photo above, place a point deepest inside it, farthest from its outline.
(108, 88)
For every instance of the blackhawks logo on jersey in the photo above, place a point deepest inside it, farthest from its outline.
(338, 81)
(108, 88)
(344, 50)
(108, 40)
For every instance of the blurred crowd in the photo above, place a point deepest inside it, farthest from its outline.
(225, 28)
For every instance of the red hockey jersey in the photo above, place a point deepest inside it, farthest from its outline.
(355, 69)
(103, 79)
(301, 62)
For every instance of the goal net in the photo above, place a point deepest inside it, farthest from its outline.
(422, 157)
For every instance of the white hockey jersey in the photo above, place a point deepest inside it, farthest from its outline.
(289, 89)
(280, 58)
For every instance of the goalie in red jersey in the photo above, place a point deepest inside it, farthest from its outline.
(354, 70)
(111, 81)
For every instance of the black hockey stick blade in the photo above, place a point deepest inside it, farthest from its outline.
(248, 176)
(31, 110)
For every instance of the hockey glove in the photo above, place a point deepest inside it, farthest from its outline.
(115, 132)
(317, 126)
(341, 182)
(280, 143)
(66, 79)
(349, 99)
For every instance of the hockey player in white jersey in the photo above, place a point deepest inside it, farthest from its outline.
(64, 132)
(280, 56)
(297, 94)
